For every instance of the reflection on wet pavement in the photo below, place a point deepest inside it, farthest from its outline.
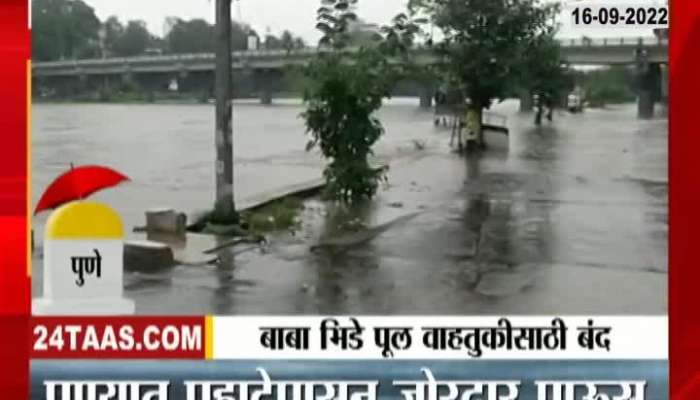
(566, 218)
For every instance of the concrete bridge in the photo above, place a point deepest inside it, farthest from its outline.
(264, 68)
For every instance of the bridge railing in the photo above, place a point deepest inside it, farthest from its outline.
(273, 54)
(182, 57)
(612, 41)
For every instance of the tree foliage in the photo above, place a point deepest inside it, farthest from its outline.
(611, 85)
(113, 31)
(272, 42)
(134, 40)
(70, 29)
(289, 42)
(347, 86)
(64, 29)
(486, 42)
(193, 36)
(239, 35)
(286, 41)
(543, 71)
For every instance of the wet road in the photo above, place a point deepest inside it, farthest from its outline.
(568, 218)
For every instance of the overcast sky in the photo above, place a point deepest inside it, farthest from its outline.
(297, 16)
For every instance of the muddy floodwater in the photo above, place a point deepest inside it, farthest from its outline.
(567, 218)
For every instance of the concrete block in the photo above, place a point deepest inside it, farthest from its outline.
(165, 220)
(147, 256)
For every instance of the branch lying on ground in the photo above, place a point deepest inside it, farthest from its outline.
(356, 238)
(256, 239)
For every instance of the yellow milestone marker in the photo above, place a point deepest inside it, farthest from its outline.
(83, 262)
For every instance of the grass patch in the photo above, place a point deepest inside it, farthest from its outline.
(280, 215)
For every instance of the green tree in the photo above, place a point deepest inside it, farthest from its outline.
(193, 36)
(134, 40)
(345, 90)
(64, 29)
(543, 72)
(197, 36)
(611, 85)
(485, 42)
(287, 41)
(113, 31)
(272, 42)
(240, 34)
(299, 43)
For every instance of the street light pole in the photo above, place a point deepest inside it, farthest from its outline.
(224, 209)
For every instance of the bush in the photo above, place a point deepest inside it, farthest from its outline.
(346, 89)
(609, 86)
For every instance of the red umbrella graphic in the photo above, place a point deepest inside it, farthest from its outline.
(78, 183)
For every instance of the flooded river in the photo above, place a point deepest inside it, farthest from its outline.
(168, 150)
(570, 217)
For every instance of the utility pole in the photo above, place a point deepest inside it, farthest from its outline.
(224, 208)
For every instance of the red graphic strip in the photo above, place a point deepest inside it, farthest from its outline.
(684, 199)
(14, 279)
(14, 57)
(118, 338)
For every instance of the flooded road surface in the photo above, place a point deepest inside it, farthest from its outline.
(567, 218)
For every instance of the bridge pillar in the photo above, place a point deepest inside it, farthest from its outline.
(265, 95)
(650, 89)
(526, 102)
(664, 89)
(82, 82)
(266, 81)
(426, 97)
(664, 82)
(127, 78)
(104, 90)
(648, 83)
(645, 105)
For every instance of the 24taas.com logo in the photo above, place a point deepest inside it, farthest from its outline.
(92, 338)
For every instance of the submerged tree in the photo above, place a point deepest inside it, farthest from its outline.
(543, 72)
(485, 42)
(347, 86)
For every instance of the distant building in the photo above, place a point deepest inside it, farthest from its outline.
(252, 42)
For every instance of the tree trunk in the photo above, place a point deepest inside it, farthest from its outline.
(481, 142)
(526, 103)
(224, 208)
